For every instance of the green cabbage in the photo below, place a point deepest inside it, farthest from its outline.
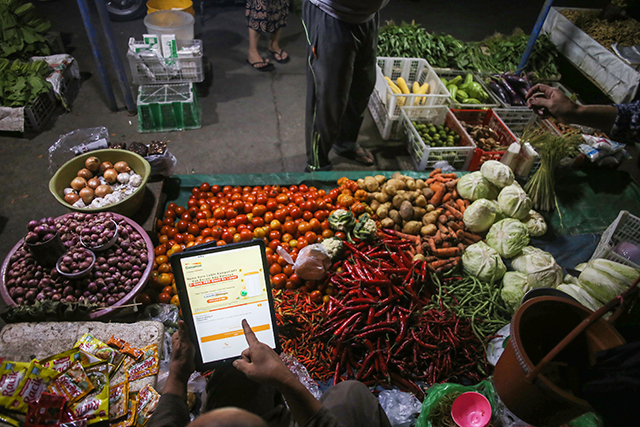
(601, 285)
(508, 237)
(540, 267)
(483, 262)
(514, 202)
(497, 173)
(535, 223)
(580, 295)
(514, 286)
(473, 186)
(480, 215)
(624, 274)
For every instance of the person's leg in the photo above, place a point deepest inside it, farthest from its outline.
(253, 55)
(354, 405)
(279, 54)
(331, 52)
(229, 387)
(364, 80)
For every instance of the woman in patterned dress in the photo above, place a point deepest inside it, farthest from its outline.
(266, 16)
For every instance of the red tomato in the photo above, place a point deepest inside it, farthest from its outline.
(279, 280)
(310, 237)
(275, 268)
(287, 268)
(193, 229)
(273, 244)
(302, 242)
(246, 235)
(268, 217)
(227, 237)
(316, 296)
(143, 298)
(295, 213)
(274, 235)
(257, 221)
(231, 213)
(304, 227)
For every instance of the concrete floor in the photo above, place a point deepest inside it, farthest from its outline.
(252, 122)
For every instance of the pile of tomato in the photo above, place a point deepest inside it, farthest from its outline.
(289, 217)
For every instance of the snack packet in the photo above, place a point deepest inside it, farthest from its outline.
(11, 375)
(130, 419)
(147, 402)
(8, 420)
(96, 347)
(148, 365)
(116, 343)
(47, 411)
(118, 401)
(63, 361)
(73, 383)
(133, 352)
(95, 407)
(32, 386)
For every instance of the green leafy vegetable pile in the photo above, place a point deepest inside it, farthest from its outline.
(495, 54)
(21, 83)
(22, 31)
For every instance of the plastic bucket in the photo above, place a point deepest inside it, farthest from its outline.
(183, 5)
(536, 328)
(170, 22)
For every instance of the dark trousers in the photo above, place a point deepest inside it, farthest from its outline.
(350, 402)
(341, 74)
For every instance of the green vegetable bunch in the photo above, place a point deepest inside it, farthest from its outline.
(22, 32)
(437, 136)
(21, 83)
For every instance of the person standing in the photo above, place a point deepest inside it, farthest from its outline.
(266, 16)
(342, 38)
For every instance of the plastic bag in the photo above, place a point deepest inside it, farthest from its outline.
(438, 391)
(302, 374)
(313, 262)
(76, 142)
(444, 166)
(497, 345)
(401, 408)
(162, 164)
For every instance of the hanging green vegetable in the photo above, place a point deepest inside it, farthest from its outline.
(22, 32)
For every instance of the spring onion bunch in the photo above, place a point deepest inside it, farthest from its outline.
(552, 149)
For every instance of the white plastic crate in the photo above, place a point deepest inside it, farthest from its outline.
(449, 74)
(154, 70)
(390, 129)
(425, 156)
(626, 228)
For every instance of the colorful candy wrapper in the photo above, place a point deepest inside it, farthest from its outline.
(118, 401)
(46, 412)
(73, 383)
(133, 352)
(63, 361)
(96, 347)
(147, 402)
(95, 407)
(8, 420)
(148, 365)
(116, 343)
(11, 375)
(32, 386)
(130, 420)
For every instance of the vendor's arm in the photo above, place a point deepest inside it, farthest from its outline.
(547, 101)
(172, 409)
(261, 364)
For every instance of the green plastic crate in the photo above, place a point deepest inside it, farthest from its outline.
(163, 108)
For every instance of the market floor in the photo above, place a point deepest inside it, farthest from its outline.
(252, 122)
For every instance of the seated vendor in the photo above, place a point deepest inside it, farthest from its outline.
(251, 392)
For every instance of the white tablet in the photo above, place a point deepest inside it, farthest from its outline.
(218, 287)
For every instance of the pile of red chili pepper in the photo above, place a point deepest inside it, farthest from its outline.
(376, 329)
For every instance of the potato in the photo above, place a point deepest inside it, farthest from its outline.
(430, 207)
(420, 184)
(411, 184)
(389, 190)
(397, 175)
(374, 205)
(412, 227)
(382, 212)
(430, 218)
(382, 197)
(395, 216)
(370, 184)
(387, 223)
(413, 195)
(428, 193)
(397, 227)
(397, 201)
(418, 257)
(381, 179)
(397, 183)
(360, 183)
(388, 205)
(419, 212)
(406, 210)
(428, 230)
(420, 201)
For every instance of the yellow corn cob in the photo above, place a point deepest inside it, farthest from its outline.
(395, 90)
(416, 87)
(402, 85)
(423, 90)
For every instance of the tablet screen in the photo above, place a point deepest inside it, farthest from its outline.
(224, 287)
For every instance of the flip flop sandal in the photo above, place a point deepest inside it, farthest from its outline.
(361, 155)
(266, 67)
(282, 61)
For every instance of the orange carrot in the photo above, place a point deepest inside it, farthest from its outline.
(435, 172)
(453, 211)
(473, 237)
(446, 252)
(430, 181)
(460, 204)
(449, 175)
(438, 195)
(440, 263)
(454, 193)
(452, 183)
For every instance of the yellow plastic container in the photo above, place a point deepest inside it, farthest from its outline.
(183, 5)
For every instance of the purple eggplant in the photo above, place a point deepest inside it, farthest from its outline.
(513, 96)
(516, 82)
(499, 92)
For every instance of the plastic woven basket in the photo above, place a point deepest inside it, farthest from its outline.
(626, 228)
(490, 119)
(39, 112)
(167, 108)
(449, 74)
(425, 156)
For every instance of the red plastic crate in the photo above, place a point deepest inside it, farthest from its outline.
(486, 118)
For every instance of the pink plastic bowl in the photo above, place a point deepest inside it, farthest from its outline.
(471, 409)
